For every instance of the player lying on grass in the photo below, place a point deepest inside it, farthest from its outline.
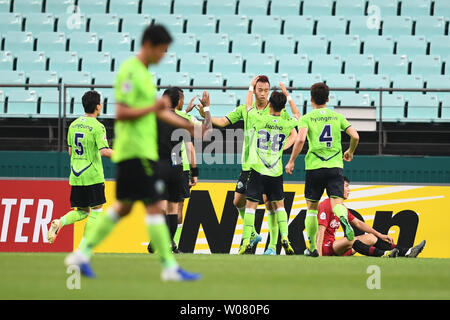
(136, 154)
(268, 135)
(87, 144)
(323, 162)
(372, 243)
(261, 91)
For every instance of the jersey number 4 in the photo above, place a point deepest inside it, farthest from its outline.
(326, 136)
(79, 145)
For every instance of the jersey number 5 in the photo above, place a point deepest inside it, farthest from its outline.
(79, 145)
(326, 136)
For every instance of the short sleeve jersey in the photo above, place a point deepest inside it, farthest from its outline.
(184, 157)
(240, 113)
(324, 138)
(138, 138)
(268, 135)
(329, 220)
(86, 136)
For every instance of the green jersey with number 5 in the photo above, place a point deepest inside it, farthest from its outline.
(324, 138)
(86, 137)
(268, 135)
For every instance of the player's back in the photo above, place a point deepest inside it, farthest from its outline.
(86, 137)
(324, 138)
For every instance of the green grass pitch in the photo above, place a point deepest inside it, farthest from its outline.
(137, 276)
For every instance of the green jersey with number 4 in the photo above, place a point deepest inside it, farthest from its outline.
(86, 137)
(324, 138)
(268, 136)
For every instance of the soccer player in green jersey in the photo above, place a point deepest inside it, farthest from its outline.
(136, 153)
(261, 91)
(268, 136)
(87, 144)
(323, 162)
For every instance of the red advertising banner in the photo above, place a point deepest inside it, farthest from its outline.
(27, 207)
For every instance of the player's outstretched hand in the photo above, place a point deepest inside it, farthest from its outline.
(205, 101)
(290, 167)
(348, 156)
(191, 105)
(283, 89)
(387, 238)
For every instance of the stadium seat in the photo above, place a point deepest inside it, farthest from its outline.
(114, 41)
(393, 107)
(168, 64)
(96, 61)
(4, 8)
(39, 22)
(51, 41)
(360, 26)
(330, 26)
(49, 103)
(324, 64)
(411, 45)
(6, 61)
(31, 61)
(397, 26)
(317, 7)
(293, 63)
(285, 8)
(422, 106)
(445, 114)
(183, 42)
(123, 6)
(2, 98)
(83, 41)
(276, 78)
(266, 25)
(10, 22)
(414, 8)
(439, 45)
(233, 24)
(200, 24)
(345, 44)
(180, 79)
(333, 101)
(278, 44)
(407, 81)
(341, 80)
(188, 7)
(27, 6)
(386, 7)
(103, 23)
(426, 65)
(430, 26)
(312, 45)
(16, 41)
(246, 43)
(174, 23)
(109, 107)
(13, 77)
(391, 64)
(156, 7)
(212, 43)
(373, 81)
(350, 7)
(76, 77)
(439, 82)
(135, 24)
(63, 61)
(378, 45)
(239, 79)
(304, 80)
(92, 6)
(354, 99)
(442, 8)
(253, 8)
(104, 77)
(40, 77)
(60, 6)
(194, 62)
(67, 24)
(260, 63)
(207, 79)
(302, 25)
(223, 103)
(22, 103)
(359, 64)
(221, 7)
(227, 62)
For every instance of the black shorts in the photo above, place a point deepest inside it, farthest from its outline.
(173, 177)
(318, 180)
(186, 187)
(241, 185)
(137, 180)
(87, 196)
(259, 184)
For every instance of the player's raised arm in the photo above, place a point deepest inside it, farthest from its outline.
(298, 146)
(291, 139)
(218, 122)
(251, 89)
(292, 104)
(354, 140)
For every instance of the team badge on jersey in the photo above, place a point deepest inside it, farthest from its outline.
(126, 87)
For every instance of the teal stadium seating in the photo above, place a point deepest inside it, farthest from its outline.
(28, 6)
(114, 41)
(188, 7)
(279, 44)
(63, 61)
(393, 64)
(397, 25)
(184, 42)
(285, 8)
(345, 44)
(415, 8)
(156, 7)
(386, 7)
(31, 61)
(312, 45)
(430, 26)
(40, 77)
(422, 107)
(83, 41)
(207, 79)
(10, 22)
(221, 7)
(6, 61)
(350, 7)
(16, 41)
(266, 25)
(298, 25)
(411, 45)
(227, 62)
(215, 43)
(232, 24)
(359, 64)
(60, 6)
(92, 6)
(96, 61)
(194, 62)
(51, 41)
(134, 24)
(403, 81)
(293, 63)
(253, 8)
(260, 63)
(246, 43)
(200, 24)
(123, 6)
(5, 6)
(39, 22)
(317, 7)
(331, 26)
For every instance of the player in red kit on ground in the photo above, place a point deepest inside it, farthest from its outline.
(372, 243)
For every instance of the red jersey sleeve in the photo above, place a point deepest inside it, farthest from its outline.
(350, 216)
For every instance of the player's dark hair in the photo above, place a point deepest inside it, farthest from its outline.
(320, 93)
(179, 90)
(174, 95)
(263, 79)
(346, 180)
(156, 34)
(90, 101)
(278, 101)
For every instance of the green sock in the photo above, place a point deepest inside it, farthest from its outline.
(100, 230)
(242, 214)
(73, 216)
(312, 226)
(159, 235)
(92, 220)
(249, 224)
(273, 229)
(176, 237)
(282, 221)
(340, 211)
